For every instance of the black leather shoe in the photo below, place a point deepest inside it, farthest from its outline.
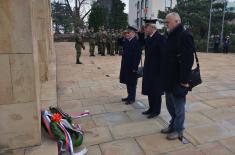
(167, 130)
(174, 135)
(129, 102)
(125, 99)
(78, 62)
(147, 112)
(152, 115)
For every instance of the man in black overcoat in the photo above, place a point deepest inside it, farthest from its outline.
(129, 65)
(178, 64)
(152, 73)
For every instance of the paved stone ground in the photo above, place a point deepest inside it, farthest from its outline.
(117, 129)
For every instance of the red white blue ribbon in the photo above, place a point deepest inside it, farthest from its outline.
(63, 124)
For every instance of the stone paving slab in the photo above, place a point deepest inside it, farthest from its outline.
(94, 150)
(215, 148)
(109, 119)
(220, 114)
(97, 135)
(13, 152)
(209, 133)
(209, 95)
(229, 143)
(95, 86)
(157, 143)
(121, 147)
(139, 105)
(136, 115)
(196, 119)
(135, 129)
(85, 122)
(95, 109)
(48, 147)
(95, 101)
(224, 102)
(191, 151)
(118, 107)
(197, 106)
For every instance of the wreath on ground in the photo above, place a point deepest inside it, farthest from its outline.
(60, 128)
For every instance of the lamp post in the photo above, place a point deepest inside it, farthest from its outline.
(209, 30)
(222, 30)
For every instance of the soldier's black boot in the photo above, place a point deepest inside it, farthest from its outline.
(78, 62)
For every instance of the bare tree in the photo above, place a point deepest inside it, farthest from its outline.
(78, 9)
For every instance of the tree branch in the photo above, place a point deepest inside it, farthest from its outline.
(70, 9)
(86, 14)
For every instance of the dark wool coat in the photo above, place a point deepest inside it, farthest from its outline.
(130, 61)
(179, 58)
(153, 65)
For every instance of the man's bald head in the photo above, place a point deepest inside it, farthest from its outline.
(172, 20)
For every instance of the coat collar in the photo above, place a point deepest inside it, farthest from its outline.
(178, 29)
(154, 35)
(133, 38)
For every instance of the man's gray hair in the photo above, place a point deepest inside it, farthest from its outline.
(175, 16)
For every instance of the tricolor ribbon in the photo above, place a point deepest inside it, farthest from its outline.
(63, 124)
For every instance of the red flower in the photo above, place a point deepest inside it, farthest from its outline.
(56, 117)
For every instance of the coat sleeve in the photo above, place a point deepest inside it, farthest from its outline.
(137, 52)
(162, 50)
(141, 38)
(187, 57)
(121, 41)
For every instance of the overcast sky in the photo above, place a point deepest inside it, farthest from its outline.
(127, 7)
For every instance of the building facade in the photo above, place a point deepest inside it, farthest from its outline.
(141, 9)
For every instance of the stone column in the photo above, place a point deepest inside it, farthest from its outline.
(42, 21)
(20, 41)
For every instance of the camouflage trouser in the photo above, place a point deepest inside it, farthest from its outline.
(116, 48)
(79, 51)
(120, 49)
(108, 48)
(99, 48)
(92, 49)
(102, 50)
(112, 49)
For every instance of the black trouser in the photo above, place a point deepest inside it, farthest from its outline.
(131, 90)
(155, 103)
(225, 50)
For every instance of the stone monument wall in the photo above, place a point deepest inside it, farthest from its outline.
(25, 48)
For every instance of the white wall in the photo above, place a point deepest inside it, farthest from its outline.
(132, 12)
(153, 8)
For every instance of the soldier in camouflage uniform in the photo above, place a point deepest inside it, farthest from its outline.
(116, 42)
(120, 36)
(98, 39)
(103, 42)
(92, 40)
(79, 45)
(113, 43)
(108, 41)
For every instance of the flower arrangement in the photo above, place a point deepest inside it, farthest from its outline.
(60, 128)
